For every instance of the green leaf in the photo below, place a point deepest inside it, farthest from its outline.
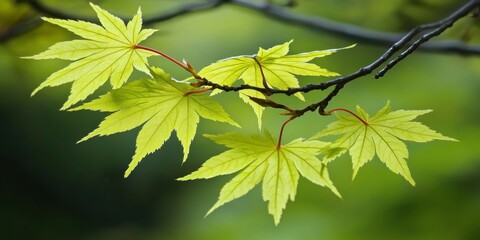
(382, 136)
(161, 105)
(278, 67)
(107, 52)
(257, 158)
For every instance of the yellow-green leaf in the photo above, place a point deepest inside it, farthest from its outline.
(161, 105)
(381, 136)
(279, 70)
(107, 53)
(257, 157)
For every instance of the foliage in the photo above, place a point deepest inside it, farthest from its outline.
(107, 53)
(273, 64)
(379, 134)
(259, 157)
(161, 104)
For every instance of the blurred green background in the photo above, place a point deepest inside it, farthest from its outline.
(53, 188)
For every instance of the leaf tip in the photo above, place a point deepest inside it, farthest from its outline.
(48, 19)
(355, 171)
(445, 138)
(335, 191)
(276, 221)
(133, 164)
(65, 106)
(76, 109)
(93, 5)
(184, 178)
(351, 46)
(128, 171)
(184, 159)
(213, 208)
(409, 179)
(83, 139)
(35, 91)
(412, 182)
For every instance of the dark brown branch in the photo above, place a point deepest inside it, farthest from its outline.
(348, 31)
(336, 28)
(185, 9)
(189, 8)
(355, 33)
(340, 82)
(19, 29)
(206, 82)
(437, 27)
(40, 7)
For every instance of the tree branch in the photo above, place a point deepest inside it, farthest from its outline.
(183, 10)
(353, 32)
(278, 12)
(340, 82)
(344, 30)
(19, 29)
(437, 27)
(189, 8)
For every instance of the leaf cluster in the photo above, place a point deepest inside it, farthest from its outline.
(158, 105)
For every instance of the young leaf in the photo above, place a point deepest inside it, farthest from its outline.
(257, 158)
(108, 52)
(279, 70)
(162, 105)
(380, 135)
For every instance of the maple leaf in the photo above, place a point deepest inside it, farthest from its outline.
(162, 105)
(257, 158)
(380, 135)
(279, 70)
(108, 52)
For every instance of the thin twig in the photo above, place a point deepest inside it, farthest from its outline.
(171, 59)
(185, 9)
(280, 136)
(182, 10)
(197, 91)
(264, 80)
(349, 112)
(19, 29)
(270, 103)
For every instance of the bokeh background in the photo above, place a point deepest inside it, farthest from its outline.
(53, 188)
